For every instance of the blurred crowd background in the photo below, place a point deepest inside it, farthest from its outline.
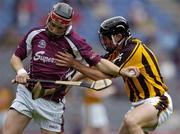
(156, 22)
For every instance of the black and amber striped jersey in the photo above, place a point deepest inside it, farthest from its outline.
(150, 82)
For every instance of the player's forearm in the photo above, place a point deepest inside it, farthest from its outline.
(78, 76)
(92, 73)
(108, 67)
(16, 64)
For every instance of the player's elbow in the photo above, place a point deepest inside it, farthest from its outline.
(14, 60)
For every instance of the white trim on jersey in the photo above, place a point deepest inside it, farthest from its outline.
(76, 53)
(75, 50)
(68, 30)
(29, 39)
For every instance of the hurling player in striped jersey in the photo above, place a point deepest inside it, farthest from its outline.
(151, 105)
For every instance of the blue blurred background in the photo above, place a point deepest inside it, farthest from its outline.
(157, 22)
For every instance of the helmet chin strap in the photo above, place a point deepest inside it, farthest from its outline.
(113, 40)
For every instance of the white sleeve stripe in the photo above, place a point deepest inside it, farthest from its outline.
(77, 54)
(29, 39)
(74, 48)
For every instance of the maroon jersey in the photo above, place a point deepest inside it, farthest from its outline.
(42, 50)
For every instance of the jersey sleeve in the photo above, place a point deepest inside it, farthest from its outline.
(86, 51)
(24, 47)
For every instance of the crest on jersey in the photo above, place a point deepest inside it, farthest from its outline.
(118, 58)
(42, 44)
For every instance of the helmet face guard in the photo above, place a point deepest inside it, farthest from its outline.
(60, 17)
(109, 28)
(59, 20)
(106, 42)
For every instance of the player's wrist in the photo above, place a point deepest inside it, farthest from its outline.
(120, 72)
(21, 71)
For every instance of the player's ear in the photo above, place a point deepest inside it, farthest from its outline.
(119, 36)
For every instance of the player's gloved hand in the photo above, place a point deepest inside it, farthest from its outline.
(22, 76)
(130, 71)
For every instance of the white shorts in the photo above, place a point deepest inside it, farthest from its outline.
(95, 115)
(48, 114)
(162, 104)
